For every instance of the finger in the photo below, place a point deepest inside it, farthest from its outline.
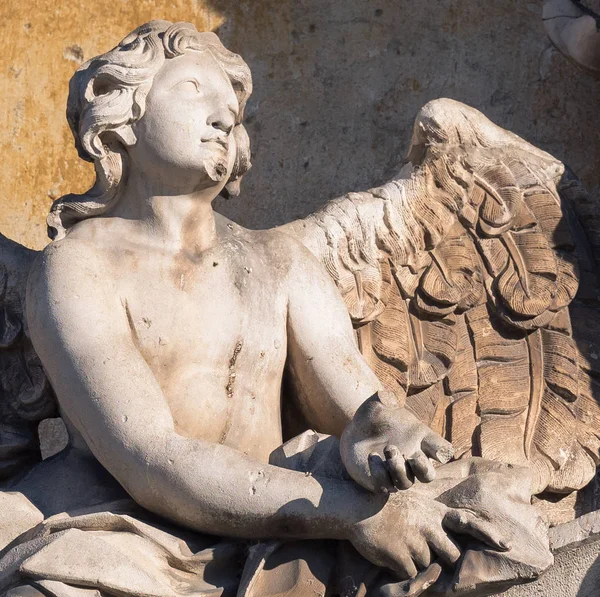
(443, 547)
(437, 447)
(466, 522)
(379, 476)
(421, 555)
(401, 476)
(403, 566)
(425, 579)
(421, 467)
(415, 587)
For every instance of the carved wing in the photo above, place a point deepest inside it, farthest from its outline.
(25, 394)
(461, 277)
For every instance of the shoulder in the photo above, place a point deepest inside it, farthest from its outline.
(67, 257)
(302, 276)
(283, 251)
(69, 267)
(72, 298)
(276, 248)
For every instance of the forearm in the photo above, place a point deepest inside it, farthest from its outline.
(216, 489)
(330, 375)
(328, 390)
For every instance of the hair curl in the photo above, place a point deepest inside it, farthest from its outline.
(108, 93)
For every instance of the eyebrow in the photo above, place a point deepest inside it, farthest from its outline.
(181, 78)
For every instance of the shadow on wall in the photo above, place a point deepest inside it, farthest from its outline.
(590, 586)
(337, 86)
(581, 212)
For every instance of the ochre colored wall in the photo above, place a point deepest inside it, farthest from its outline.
(42, 43)
(337, 86)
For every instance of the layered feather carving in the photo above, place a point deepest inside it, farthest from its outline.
(461, 277)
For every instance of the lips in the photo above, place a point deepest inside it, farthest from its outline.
(222, 143)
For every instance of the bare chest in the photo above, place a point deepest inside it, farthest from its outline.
(214, 335)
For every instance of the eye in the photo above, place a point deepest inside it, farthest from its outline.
(190, 85)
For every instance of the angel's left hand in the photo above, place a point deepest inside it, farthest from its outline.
(386, 447)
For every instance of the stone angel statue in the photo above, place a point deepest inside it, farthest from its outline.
(261, 413)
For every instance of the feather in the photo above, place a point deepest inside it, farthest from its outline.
(464, 419)
(503, 385)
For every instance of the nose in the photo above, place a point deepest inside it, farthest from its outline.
(222, 120)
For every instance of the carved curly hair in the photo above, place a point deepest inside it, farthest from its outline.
(108, 93)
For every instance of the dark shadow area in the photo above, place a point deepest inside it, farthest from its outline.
(580, 210)
(590, 586)
(337, 86)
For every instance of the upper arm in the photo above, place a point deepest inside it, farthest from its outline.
(328, 371)
(80, 330)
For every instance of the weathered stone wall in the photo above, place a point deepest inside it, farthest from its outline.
(337, 82)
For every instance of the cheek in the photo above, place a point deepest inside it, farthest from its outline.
(167, 120)
(172, 130)
(173, 142)
(170, 135)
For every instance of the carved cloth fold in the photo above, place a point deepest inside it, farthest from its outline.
(120, 550)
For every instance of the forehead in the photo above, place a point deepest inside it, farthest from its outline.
(200, 65)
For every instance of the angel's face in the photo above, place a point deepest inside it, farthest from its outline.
(185, 133)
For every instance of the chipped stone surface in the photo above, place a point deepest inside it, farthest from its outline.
(576, 569)
(582, 531)
(53, 437)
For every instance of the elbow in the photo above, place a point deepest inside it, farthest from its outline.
(140, 467)
(147, 482)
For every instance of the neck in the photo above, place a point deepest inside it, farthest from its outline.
(178, 220)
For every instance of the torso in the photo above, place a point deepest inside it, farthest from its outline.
(213, 331)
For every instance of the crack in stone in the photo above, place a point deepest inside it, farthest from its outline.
(229, 388)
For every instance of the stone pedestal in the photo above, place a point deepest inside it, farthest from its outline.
(576, 570)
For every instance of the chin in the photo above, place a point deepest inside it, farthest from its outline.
(210, 167)
(217, 169)
(217, 166)
(212, 174)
